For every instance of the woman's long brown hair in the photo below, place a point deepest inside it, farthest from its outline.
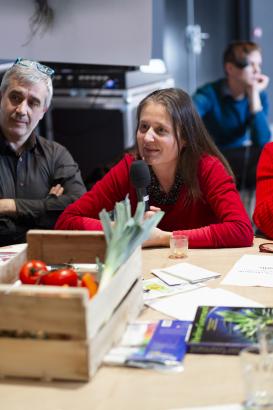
(189, 129)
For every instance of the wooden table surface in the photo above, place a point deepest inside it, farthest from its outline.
(205, 380)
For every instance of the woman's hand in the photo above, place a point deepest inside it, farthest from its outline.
(151, 212)
(157, 238)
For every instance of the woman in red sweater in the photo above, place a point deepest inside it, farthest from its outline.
(190, 180)
(263, 213)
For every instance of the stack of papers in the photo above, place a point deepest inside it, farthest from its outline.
(181, 272)
(179, 278)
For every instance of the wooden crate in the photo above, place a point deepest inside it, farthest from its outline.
(49, 332)
(65, 246)
(15, 256)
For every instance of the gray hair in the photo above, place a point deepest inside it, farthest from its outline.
(29, 75)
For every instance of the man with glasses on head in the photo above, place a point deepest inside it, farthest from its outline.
(235, 108)
(38, 177)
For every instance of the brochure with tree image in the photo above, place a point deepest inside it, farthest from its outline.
(226, 330)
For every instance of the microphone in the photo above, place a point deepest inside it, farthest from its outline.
(141, 178)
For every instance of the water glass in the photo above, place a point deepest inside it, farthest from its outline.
(257, 368)
(178, 245)
(265, 337)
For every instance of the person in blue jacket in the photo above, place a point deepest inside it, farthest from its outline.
(235, 108)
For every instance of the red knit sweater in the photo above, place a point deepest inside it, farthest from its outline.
(263, 214)
(216, 220)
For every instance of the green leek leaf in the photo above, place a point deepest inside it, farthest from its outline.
(124, 236)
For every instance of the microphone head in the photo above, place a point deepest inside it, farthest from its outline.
(140, 174)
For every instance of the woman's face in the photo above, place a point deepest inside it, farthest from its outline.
(156, 137)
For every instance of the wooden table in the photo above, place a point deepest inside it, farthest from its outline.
(206, 379)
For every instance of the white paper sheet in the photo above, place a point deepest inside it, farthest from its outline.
(183, 306)
(185, 271)
(168, 279)
(251, 270)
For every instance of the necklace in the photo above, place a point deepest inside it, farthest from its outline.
(160, 197)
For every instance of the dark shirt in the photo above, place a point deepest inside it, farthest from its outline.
(28, 178)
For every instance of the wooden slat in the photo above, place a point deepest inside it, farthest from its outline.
(44, 359)
(44, 309)
(103, 305)
(112, 331)
(66, 246)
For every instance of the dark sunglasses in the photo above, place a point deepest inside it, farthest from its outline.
(30, 63)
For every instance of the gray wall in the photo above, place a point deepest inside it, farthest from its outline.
(217, 18)
(158, 28)
(174, 46)
(114, 32)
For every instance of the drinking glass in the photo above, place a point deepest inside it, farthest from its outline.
(257, 369)
(178, 245)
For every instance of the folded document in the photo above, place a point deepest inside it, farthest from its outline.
(176, 274)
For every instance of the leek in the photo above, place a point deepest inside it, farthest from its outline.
(124, 236)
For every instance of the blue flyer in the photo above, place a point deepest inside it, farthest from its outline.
(167, 345)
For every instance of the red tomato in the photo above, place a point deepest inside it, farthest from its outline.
(31, 271)
(60, 277)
